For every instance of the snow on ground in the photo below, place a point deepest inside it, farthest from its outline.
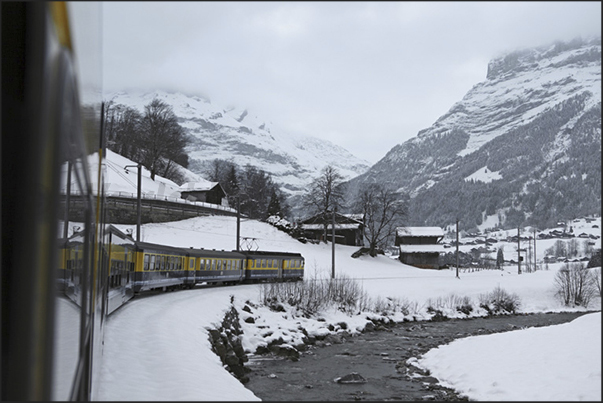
(513, 365)
(157, 347)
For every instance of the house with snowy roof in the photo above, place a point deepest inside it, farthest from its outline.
(204, 191)
(349, 228)
(420, 246)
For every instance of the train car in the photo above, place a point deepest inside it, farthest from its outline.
(262, 266)
(216, 267)
(161, 267)
(293, 266)
(58, 290)
(71, 267)
(120, 250)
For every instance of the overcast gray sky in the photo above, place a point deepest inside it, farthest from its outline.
(364, 75)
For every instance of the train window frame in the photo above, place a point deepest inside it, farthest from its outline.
(152, 262)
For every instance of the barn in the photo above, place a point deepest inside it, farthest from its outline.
(204, 191)
(420, 246)
(349, 228)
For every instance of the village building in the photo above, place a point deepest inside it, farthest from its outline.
(420, 246)
(204, 191)
(349, 228)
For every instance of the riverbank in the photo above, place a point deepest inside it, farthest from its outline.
(383, 360)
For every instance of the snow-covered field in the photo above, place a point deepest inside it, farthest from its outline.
(157, 347)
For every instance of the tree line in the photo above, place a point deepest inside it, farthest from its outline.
(249, 189)
(152, 138)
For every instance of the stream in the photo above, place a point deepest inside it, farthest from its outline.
(379, 360)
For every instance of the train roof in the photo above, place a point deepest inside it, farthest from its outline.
(200, 252)
(270, 253)
(158, 247)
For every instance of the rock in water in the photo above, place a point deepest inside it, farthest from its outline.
(354, 377)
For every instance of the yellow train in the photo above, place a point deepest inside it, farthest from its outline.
(57, 290)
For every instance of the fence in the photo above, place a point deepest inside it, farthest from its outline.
(121, 208)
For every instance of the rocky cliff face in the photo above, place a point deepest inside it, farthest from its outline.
(522, 147)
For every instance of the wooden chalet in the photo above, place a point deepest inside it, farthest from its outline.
(420, 246)
(203, 191)
(349, 228)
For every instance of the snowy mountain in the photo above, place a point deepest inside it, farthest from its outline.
(522, 147)
(242, 137)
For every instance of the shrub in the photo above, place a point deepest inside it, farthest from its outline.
(314, 294)
(451, 303)
(438, 315)
(576, 285)
(499, 301)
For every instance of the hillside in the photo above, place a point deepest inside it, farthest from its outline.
(238, 135)
(521, 148)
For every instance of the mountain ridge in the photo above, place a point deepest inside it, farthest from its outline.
(238, 135)
(534, 113)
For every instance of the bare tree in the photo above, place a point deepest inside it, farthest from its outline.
(164, 139)
(383, 211)
(123, 128)
(325, 195)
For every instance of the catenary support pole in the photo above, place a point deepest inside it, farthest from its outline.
(457, 248)
(518, 253)
(333, 246)
(139, 203)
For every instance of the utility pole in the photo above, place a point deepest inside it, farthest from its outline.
(238, 221)
(457, 248)
(333, 246)
(139, 197)
(535, 265)
(518, 253)
(67, 201)
(529, 264)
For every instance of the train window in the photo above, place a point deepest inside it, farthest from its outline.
(263, 262)
(191, 264)
(227, 264)
(152, 263)
(274, 264)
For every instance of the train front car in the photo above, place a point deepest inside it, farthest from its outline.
(161, 267)
(262, 266)
(293, 266)
(216, 266)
